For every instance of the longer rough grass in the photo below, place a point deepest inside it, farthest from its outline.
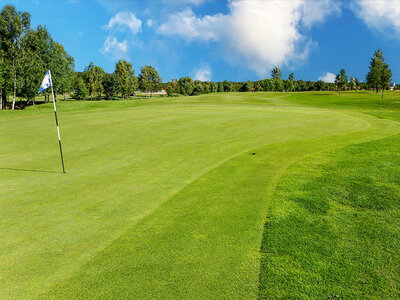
(161, 198)
(333, 226)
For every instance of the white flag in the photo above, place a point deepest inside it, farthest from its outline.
(46, 83)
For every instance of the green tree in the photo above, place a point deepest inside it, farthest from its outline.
(29, 75)
(213, 87)
(357, 84)
(385, 77)
(126, 79)
(149, 80)
(228, 86)
(2, 80)
(198, 88)
(186, 85)
(13, 26)
(220, 87)
(247, 86)
(80, 89)
(289, 84)
(379, 75)
(268, 85)
(62, 70)
(341, 80)
(276, 76)
(276, 73)
(319, 85)
(352, 83)
(375, 69)
(170, 90)
(94, 78)
(110, 86)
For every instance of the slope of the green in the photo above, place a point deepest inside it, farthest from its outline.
(332, 229)
(162, 198)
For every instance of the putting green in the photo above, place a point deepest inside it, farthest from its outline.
(161, 199)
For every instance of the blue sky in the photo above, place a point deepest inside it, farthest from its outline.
(235, 40)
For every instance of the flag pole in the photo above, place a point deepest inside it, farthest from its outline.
(58, 130)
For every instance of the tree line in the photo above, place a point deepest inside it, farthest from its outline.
(26, 54)
(94, 83)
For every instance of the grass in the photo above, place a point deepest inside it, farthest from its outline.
(333, 226)
(167, 198)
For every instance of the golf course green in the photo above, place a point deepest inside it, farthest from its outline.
(229, 195)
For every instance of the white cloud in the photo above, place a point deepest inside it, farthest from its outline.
(258, 34)
(380, 15)
(111, 44)
(190, 27)
(150, 23)
(203, 73)
(124, 20)
(328, 77)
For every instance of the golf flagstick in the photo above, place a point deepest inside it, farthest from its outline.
(58, 130)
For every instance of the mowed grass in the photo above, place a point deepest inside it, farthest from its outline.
(162, 198)
(333, 227)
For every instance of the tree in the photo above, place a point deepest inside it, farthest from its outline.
(341, 80)
(149, 80)
(126, 79)
(319, 85)
(385, 77)
(198, 88)
(174, 86)
(247, 86)
(267, 85)
(110, 86)
(80, 89)
(2, 80)
(62, 66)
(220, 87)
(186, 85)
(276, 76)
(228, 86)
(375, 69)
(379, 75)
(29, 75)
(289, 84)
(352, 83)
(170, 90)
(213, 87)
(357, 84)
(94, 77)
(13, 26)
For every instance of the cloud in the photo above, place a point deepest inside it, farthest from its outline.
(380, 15)
(150, 23)
(257, 34)
(190, 27)
(203, 73)
(111, 44)
(328, 77)
(124, 20)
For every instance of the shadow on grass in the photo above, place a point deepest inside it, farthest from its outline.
(27, 170)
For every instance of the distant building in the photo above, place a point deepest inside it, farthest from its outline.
(392, 86)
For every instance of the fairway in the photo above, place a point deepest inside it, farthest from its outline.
(170, 198)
